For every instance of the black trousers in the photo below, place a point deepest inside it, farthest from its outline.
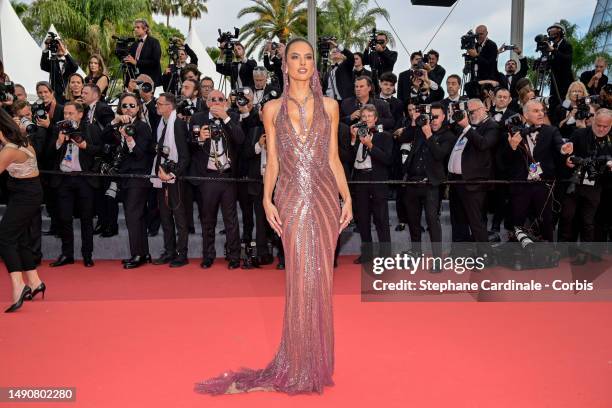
(35, 234)
(173, 220)
(107, 206)
(582, 203)
(415, 199)
(466, 212)
(500, 200)
(189, 194)
(75, 189)
(134, 206)
(262, 227)
(247, 208)
(152, 217)
(214, 194)
(371, 202)
(25, 198)
(400, 206)
(603, 217)
(530, 199)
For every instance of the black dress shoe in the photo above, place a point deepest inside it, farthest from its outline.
(178, 261)
(163, 259)
(98, 229)
(361, 259)
(62, 260)
(400, 227)
(110, 232)
(191, 230)
(87, 261)
(265, 259)
(153, 233)
(41, 288)
(233, 264)
(207, 263)
(26, 293)
(136, 261)
(147, 259)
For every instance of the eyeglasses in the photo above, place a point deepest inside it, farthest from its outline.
(128, 105)
(213, 99)
(471, 112)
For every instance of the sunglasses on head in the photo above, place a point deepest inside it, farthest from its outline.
(128, 105)
(215, 99)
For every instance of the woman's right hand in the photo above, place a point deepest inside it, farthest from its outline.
(273, 217)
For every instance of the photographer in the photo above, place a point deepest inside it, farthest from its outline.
(561, 54)
(191, 102)
(171, 160)
(20, 93)
(471, 160)
(533, 154)
(430, 145)
(56, 60)
(241, 70)
(135, 157)
(174, 74)
(74, 88)
(500, 111)
(595, 80)
(453, 86)
(145, 54)
(511, 77)
(350, 109)
(144, 88)
(372, 158)
(566, 114)
(97, 74)
(378, 56)
(387, 89)
(97, 112)
(415, 83)
(358, 68)
(590, 143)
(260, 79)
(75, 145)
(484, 55)
(435, 72)
(273, 62)
(338, 80)
(215, 155)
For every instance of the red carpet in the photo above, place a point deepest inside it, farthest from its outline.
(142, 338)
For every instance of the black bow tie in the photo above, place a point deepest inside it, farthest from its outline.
(141, 40)
(500, 112)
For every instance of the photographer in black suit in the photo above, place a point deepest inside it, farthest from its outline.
(74, 151)
(511, 76)
(595, 79)
(358, 68)
(136, 150)
(273, 62)
(215, 155)
(240, 70)
(471, 160)
(561, 55)
(589, 142)
(387, 89)
(350, 109)
(372, 159)
(59, 66)
(338, 81)
(380, 58)
(415, 83)
(430, 145)
(501, 110)
(145, 54)
(171, 160)
(485, 55)
(534, 154)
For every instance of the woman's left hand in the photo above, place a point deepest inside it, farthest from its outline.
(346, 215)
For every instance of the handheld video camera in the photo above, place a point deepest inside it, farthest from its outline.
(174, 49)
(122, 46)
(373, 41)
(542, 43)
(468, 40)
(52, 43)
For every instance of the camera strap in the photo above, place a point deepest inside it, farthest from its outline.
(160, 144)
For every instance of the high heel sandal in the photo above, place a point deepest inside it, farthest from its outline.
(25, 293)
(40, 288)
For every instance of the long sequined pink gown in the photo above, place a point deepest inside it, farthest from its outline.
(307, 199)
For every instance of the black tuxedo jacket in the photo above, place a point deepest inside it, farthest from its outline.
(437, 148)
(154, 117)
(275, 64)
(345, 150)
(487, 61)
(58, 80)
(397, 109)
(561, 67)
(547, 152)
(384, 61)
(91, 134)
(586, 77)
(180, 139)
(344, 76)
(381, 155)
(140, 159)
(150, 59)
(252, 159)
(350, 105)
(234, 137)
(103, 114)
(511, 80)
(245, 73)
(477, 157)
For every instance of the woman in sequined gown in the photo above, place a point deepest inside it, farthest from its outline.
(304, 167)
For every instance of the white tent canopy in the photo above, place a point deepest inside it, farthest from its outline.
(205, 64)
(18, 50)
(53, 30)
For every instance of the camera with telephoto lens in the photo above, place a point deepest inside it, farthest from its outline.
(515, 124)
(129, 129)
(242, 96)
(112, 157)
(185, 107)
(542, 43)
(228, 41)
(7, 91)
(30, 126)
(468, 41)
(373, 42)
(168, 166)
(39, 111)
(122, 46)
(52, 43)
(459, 109)
(324, 46)
(71, 129)
(425, 115)
(273, 94)
(362, 129)
(588, 168)
(583, 108)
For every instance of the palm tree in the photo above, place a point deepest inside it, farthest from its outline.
(585, 48)
(273, 18)
(351, 22)
(166, 7)
(88, 25)
(19, 7)
(193, 9)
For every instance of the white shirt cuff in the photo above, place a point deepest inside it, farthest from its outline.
(257, 148)
(227, 120)
(131, 145)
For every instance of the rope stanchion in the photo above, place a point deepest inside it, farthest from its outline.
(251, 180)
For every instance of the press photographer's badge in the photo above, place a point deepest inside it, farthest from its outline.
(588, 180)
(534, 171)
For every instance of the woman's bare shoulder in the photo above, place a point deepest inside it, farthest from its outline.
(331, 105)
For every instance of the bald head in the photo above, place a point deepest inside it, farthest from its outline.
(602, 122)
(482, 33)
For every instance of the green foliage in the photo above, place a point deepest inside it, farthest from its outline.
(166, 7)
(585, 47)
(193, 9)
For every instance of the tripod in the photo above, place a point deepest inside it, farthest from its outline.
(53, 72)
(469, 72)
(544, 77)
(176, 83)
(121, 74)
